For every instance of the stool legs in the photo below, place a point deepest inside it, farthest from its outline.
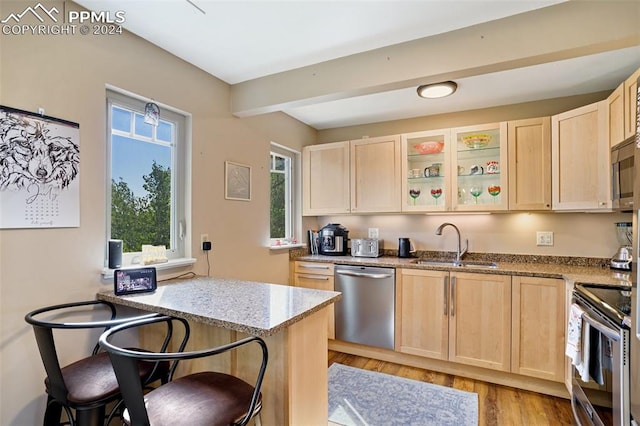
(52, 413)
(93, 417)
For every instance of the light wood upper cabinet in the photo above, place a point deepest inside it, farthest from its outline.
(616, 109)
(630, 107)
(325, 179)
(375, 175)
(529, 164)
(460, 317)
(580, 157)
(479, 168)
(426, 175)
(538, 328)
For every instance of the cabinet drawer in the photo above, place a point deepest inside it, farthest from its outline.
(315, 268)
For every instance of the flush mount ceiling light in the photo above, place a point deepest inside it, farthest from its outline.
(437, 90)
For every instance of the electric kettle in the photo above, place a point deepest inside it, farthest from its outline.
(405, 247)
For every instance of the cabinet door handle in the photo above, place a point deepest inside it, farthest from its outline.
(453, 296)
(313, 277)
(446, 294)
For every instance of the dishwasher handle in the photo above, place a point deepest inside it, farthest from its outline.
(364, 274)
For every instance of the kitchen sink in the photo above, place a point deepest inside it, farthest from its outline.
(453, 263)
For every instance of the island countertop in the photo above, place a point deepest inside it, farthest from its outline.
(255, 308)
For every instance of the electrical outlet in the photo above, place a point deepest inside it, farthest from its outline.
(203, 238)
(544, 238)
(373, 232)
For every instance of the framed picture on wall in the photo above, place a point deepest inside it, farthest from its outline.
(237, 182)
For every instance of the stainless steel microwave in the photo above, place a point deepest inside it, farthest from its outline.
(622, 175)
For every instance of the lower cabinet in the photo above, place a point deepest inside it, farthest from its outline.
(514, 324)
(318, 276)
(538, 328)
(456, 316)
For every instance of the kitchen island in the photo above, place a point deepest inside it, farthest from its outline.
(291, 320)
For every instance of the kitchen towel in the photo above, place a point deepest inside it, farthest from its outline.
(577, 347)
(574, 333)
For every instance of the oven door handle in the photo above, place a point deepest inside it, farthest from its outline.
(607, 331)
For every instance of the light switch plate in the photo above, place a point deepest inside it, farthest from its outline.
(373, 232)
(544, 238)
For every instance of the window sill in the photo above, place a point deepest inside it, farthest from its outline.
(172, 263)
(286, 246)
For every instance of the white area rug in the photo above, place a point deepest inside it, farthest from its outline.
(360, 397)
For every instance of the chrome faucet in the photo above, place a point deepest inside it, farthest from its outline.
(461, 252)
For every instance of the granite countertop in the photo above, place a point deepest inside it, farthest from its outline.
(573, 273)
(255, 308)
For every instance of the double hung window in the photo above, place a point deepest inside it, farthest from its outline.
(285, 217)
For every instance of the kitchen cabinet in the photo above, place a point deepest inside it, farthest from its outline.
(326, 179)
(479, 165)
(360, 176)
(529, 143)
(580, 156)
(375, 175)
(616, 115)
(456, 316)
(538, 328)
(630, 104)
(423, 321)
(318, 276)
(426, 171)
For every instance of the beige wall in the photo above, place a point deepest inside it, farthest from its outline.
(67, 76)
(542, 108)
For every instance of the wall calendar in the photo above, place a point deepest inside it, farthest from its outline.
(39, 171)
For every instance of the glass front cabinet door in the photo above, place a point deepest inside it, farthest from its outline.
(479, 162)
(425, 171)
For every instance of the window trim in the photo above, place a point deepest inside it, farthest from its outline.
(180, 255)
(295, 194)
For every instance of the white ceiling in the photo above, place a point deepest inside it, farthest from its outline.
(242, 40)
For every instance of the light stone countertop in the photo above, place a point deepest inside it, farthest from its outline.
(570, 273)
(255, 308)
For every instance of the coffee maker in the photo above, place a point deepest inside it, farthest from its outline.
(622, 258)
(333, 240)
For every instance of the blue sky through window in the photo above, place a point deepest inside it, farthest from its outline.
(132, 159)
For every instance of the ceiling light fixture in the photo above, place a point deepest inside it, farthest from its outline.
(437, 90)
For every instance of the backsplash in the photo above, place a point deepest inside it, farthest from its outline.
(575, 235)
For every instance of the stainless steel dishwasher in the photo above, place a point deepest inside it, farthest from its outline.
(366, 312)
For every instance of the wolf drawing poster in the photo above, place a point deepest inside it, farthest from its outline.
(39, 171)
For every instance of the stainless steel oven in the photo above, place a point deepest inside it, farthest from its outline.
(600, 395)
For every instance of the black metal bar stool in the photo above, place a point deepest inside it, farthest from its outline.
(200, 398)
(88, 385)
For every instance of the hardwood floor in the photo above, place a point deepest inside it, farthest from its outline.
(498, 405)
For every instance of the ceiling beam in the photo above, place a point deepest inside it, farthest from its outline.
(563, 31)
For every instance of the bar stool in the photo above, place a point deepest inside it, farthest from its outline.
(200, 398)
(85, 386)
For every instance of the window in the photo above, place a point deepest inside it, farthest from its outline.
(285, 221)
(146, 178)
